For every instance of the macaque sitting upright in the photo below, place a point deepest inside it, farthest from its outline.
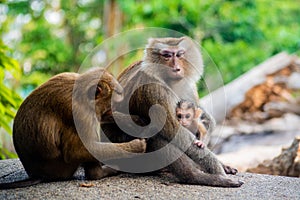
(189, 116)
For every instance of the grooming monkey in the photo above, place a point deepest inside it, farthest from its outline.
(188, 116)
(46, 138)
(168, 72)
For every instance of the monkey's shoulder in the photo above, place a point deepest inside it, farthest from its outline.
(134, 66)
(65, 76)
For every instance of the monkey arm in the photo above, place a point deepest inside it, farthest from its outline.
(125, 118)
(78, 150)
(115, 127)
(171, 130)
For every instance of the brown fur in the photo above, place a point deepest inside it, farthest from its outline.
(45, 136)
(195, 165)
(194, 123)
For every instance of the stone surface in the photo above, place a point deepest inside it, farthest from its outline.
(129, 186)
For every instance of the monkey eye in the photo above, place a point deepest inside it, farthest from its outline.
(187, 116)
(180, 53)
(179, 116)
(166, 54)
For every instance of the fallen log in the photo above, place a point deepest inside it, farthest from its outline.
(226, 98)
(286, 164)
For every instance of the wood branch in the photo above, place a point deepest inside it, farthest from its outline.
(279, 108)
(235, 91)
(286, 164)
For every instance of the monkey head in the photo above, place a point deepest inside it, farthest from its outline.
(185, 113)
(100, 89)
(176, 58)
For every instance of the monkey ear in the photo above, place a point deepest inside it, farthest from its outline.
(94, 92)
(98, 92)
(198, 112)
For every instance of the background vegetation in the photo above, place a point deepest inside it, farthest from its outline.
(42, 38)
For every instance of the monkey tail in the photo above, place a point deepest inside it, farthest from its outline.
(20, 184)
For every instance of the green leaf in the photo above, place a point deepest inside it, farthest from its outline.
(5, 125)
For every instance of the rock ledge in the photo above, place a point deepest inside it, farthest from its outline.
(130, 186)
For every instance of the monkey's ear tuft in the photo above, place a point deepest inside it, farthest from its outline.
(151, 40)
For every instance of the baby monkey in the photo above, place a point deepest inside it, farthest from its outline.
(189, 116)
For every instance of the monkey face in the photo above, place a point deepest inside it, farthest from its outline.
(172, 59)
(185, 116)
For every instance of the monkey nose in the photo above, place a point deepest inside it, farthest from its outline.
(176, 69)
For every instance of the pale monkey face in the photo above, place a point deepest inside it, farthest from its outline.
(185, 116)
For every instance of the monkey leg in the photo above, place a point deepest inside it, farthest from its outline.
(200, 155)
(187, 171)
(204, 155)
(95, 170)
(184, 140)
(51, 170)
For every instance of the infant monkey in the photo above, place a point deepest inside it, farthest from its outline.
(188, 115)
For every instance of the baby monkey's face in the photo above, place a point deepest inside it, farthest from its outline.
(185, 116)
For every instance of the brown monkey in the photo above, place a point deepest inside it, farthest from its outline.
(188, 116)
(46, 138)
(152, 87)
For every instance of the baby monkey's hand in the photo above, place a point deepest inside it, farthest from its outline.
(199, 143)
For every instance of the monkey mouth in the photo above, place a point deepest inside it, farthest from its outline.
(176, 73)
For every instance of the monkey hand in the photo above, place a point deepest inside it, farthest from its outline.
(137, 146)
(199, 143)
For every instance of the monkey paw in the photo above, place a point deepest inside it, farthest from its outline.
(138, 146)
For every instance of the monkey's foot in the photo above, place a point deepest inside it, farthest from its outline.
(225, 181)
(94, 171)
(229, 170)
(234, 183)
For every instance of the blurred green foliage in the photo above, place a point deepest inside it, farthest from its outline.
(49, 37)
(9, 99)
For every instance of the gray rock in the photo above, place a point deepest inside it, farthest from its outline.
(133, 186)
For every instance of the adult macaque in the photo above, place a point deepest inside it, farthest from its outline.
(188, 116)
(46, 137)
(152, 87)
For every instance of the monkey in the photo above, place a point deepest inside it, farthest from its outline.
(46, 138)
(188, 116)
(167, 73)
